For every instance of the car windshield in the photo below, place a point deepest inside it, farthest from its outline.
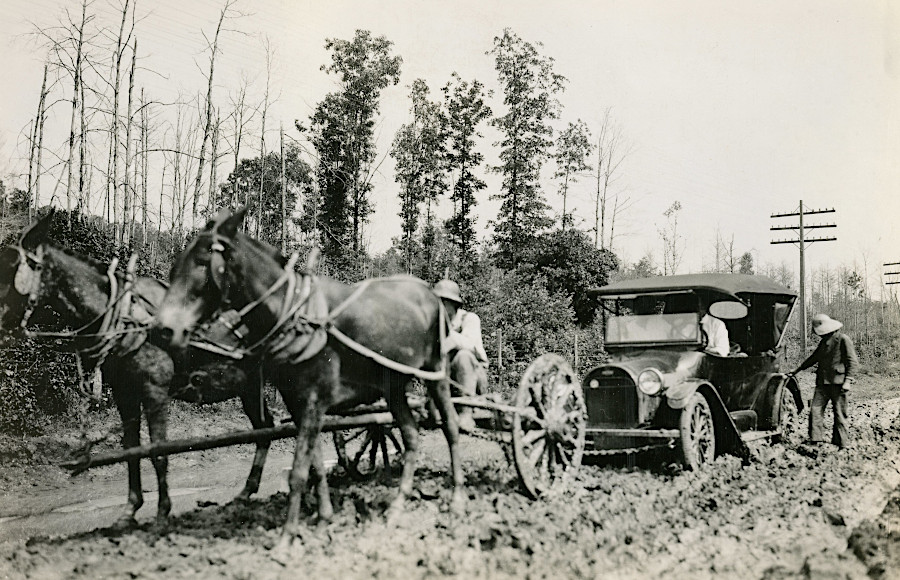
(648, 328)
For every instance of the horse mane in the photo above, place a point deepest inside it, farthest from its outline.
(97, 265)
(266, 249)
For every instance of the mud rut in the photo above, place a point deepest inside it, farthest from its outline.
(792, 512)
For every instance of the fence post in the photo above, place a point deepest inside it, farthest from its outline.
(500, 357)
(576, 350)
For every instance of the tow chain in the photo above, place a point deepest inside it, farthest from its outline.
(630, 451)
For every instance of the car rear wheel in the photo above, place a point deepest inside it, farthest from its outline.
(790, 431)
(698, 435)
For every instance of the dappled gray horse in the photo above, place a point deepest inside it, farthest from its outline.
(327, 345)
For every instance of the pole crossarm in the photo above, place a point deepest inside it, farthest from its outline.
(803, 212)
(805, 227)
(892, 264)
(891, 273)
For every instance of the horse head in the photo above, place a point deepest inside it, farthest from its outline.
(20, 273)
(201, 280)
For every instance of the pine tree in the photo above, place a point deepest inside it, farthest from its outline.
(529, 84)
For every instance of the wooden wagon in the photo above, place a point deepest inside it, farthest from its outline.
(544, 425)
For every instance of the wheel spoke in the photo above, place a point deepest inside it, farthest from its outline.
(362, 448)
(537, 452)
(532, 436)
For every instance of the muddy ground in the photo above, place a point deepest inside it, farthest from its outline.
(792, 512)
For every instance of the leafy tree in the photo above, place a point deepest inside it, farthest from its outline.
(572, 149)
(343, 135)
(572, 265)
(746, 263)
(465, 110)
(244, 182)
(420, 157)
(529, 84)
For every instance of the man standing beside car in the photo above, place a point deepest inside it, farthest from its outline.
(837, 366)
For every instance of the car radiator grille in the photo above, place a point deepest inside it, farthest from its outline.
(613, 403)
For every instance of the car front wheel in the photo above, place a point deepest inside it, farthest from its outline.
(698, 436)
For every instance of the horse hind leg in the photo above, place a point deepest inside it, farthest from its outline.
(409, 431)
(439, 391)
(257, 411)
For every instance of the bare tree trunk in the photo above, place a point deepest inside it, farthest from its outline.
(128, 191)
(76, 93)
(83, 185)
(213, 166)
(262, 140)
(600, 205)
(37, 143)
(145, 166)
(113, 176)
(208, 114)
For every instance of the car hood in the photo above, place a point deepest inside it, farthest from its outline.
(675, 365)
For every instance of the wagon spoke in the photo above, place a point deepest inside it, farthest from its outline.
(533, 435)
(362, 448)
(537, 452)
(355, 434)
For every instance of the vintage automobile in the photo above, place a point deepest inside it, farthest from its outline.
(662, 387)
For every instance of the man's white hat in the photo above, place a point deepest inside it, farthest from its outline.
(823, 324)
(448, 289)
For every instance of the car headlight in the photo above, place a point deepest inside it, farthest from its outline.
(650, 382)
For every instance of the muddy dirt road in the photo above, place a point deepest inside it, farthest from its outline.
(791, 513)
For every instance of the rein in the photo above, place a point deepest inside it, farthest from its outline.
(112, 319)
(298, 334)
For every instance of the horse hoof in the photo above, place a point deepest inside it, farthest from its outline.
(392, 515)
(125, 523)
(458, 505)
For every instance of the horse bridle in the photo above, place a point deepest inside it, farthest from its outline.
(27, 280)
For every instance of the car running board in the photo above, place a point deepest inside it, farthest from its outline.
(748, 436)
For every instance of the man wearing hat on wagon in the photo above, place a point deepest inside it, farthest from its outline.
(463, 344)
(837, 365)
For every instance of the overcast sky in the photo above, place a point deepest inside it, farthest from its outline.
(736, 109)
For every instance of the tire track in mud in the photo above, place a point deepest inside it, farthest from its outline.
(788, 514)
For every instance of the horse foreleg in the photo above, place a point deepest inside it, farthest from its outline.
(320, 475)
(157, 413)
(308, 424)
(409, 431)
(255, 407)
(130, 412)
(440, 393)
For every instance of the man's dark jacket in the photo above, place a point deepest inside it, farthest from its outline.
(836, 358)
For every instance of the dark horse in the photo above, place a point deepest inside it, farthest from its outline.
(345, 344)
(141, 375)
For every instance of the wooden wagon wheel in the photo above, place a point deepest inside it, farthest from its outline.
(371, 449)
(548, 432)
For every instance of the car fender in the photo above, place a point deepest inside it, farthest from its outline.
(790, 383)
(728, 438)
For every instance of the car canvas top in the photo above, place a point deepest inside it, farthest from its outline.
(732, 284)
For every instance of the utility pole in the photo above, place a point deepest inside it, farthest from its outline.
(890, 281)
(802, 242)
(283, 199)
